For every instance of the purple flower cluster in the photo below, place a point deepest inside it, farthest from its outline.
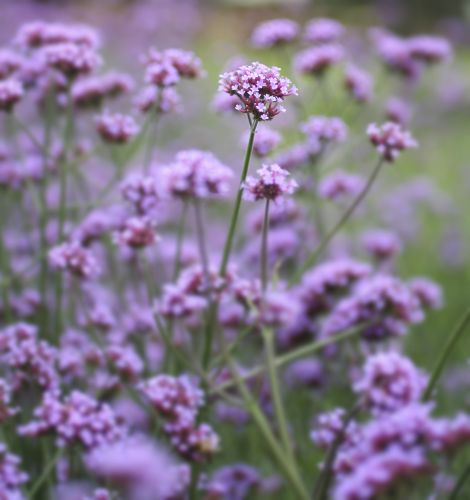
(390, 140)
(75, 259)
(177, 400)
(323, 30)
(77, 419)
(93, 91)
(383, 305)
(274, 33)
(390, 381)
(11, 476)
(271, 184)
(261, 90)
(196, 174)
(116, 128)
(315, 61)
(340, 185)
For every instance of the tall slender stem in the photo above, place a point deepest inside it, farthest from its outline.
(450, 344)
(261, 422)
(345, 218)
(276, 395)
(179, 241)
(301, 352)
(213, 310)
(67, 138)
(264, 248)
(201, 240)
(236, 210)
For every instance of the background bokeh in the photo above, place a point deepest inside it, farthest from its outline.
(219, 30)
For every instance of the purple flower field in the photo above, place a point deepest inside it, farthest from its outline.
(233, 253)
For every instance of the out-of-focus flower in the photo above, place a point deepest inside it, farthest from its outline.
(383, 303)
(136, 232)
(158, 99)
(429, 49)
(142, 192)
(340, 185)
(315, 61)
(165, 68)
(138, 466)
(390, 381)
(11, 476)
(11, 92)
(381, 244)
(274, 33)
(358, 83)
(116, 128)
(427, 291)
(390, 140)
(271, 184)
(323, 30)
(328, 426)
(39, 33)
(91, 92)
(70, 59)
(75, 259)
(266, 140)
(399, 111)
(78, 419)
(261, 89)
(325, 129)
(196, 174)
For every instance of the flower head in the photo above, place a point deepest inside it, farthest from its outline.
(75, 259)
(315, 61)
(323, 30)
(196, 174)
(11, 92)
(274, 32)
(116, 128)
(272, 183)
(390, 381)
(261, 89)
(390, 140)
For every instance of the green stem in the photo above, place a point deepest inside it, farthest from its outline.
(301, 352)
(263, 426)
(264, 248)
(236, 210)
(67, 138)
(455, 494)
(214, 309)
(345, 218)
(450, 344)
(45, 474)
(279, 412)
(179, 241)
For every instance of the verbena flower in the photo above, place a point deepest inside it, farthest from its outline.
(323, 30)
(389, 381)
(78, 419)
(12, 477)
(381, 244)
(271, 184)
(315, 61)
(136, 232)
(325, 129)
(274, 32)
(116, 128)
(390, 140)
(399, 111)
(138, 466)
(70, 59)
(340, 185)
(93, 91)
(261, 89)
(358, 83)
(11, 92)
(427, 291)
(196, 174)
(266, 140)
(74, 258)
(385, 305)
